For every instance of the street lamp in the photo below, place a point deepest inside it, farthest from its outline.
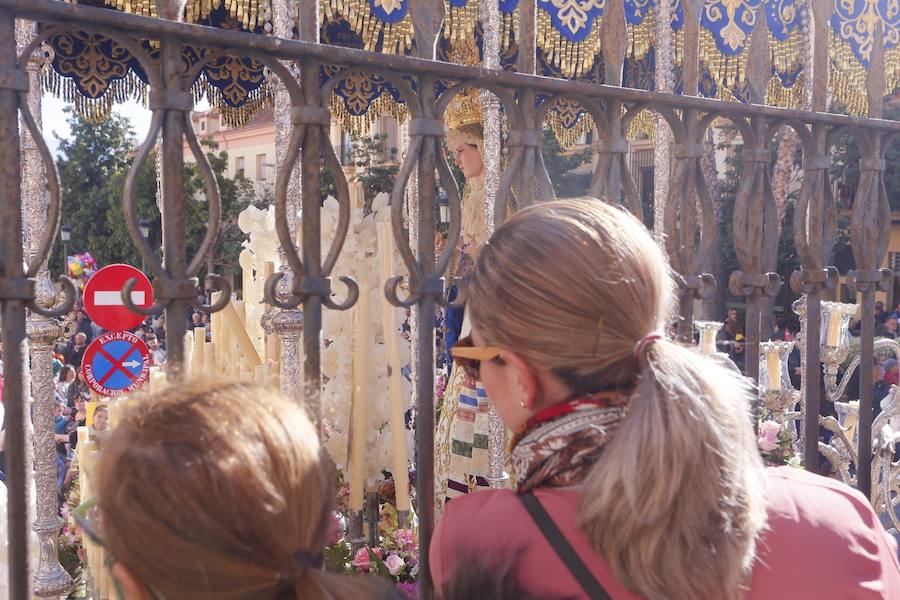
(65, 233)
(144, 226)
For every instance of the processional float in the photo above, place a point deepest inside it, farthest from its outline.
(572, 66)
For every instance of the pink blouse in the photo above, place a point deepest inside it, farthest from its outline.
(823, 540)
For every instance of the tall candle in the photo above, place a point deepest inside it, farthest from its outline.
(188, 353)
(157, 380)
(114, 412)
(199, 362)
(209, 358)
(834, 330)
(395, 382)
(773, 371)
(709, 341)
(358, 410)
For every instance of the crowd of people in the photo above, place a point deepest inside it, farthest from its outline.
(72, 391)
(635, 466)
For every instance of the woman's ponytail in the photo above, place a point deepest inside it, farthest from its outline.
(674, 504)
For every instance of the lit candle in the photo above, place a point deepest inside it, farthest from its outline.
(773, 370)
(358, 409)
(832, 340)
(395, 382)
(209, 358)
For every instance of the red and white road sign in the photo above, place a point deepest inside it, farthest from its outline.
(103, 297)
(116, 363)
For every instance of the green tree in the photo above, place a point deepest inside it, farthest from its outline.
(376, 166)
(88, 160)
(560, 164)
(845, 167)
(93, 184)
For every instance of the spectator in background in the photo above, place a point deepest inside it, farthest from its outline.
(84, 325)
(74, 350)
(880, 389)
(78, 389)
(891, 372)
(880, 314)
(157, 352)
(888, 329)
(196, 320)
(896, 313)
(66, 377)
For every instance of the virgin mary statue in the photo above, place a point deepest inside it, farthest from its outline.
(461, 444)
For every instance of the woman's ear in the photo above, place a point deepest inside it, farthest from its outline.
(526, 380)
(127, 585)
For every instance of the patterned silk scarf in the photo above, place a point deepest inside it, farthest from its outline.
(559, 444)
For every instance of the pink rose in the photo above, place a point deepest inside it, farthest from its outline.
(394, 564)
(768, 436)
(404, 538)
(336, 530)
(361, 560)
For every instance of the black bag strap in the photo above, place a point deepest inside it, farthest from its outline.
(563, 548)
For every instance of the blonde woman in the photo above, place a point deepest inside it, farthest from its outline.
(217, 491)
(636, 467)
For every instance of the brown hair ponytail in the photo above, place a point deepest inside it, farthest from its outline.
(675, 503)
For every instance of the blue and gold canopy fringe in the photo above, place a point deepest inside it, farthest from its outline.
(382, 25)
(853, 30)
(94, 73)
(726, 28)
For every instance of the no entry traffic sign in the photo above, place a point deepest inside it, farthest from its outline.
(103, 297)
(116, 363)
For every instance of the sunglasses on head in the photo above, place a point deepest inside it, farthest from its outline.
(469, 356)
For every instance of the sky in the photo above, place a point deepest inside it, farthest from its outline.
(54, 119)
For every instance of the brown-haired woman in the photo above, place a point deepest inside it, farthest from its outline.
(218, 491)
(636, 467)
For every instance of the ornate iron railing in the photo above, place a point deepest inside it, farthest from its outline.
(689, 216)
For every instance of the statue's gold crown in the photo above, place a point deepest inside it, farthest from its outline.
(464, 109)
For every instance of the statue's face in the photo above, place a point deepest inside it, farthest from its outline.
(468, 159)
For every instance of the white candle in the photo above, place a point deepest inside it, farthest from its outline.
(773, 371)
(199, 350)
(237, 333)
(114, 411)
(209, 358)
(834, 330)
(188, 353)
(358, 411)
(395, 382)
(708, 338)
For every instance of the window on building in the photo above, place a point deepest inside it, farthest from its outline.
(260, 167)
(203, 125)
(239, 166)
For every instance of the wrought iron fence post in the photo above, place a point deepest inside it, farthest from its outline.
(15, 292)
(50, 579)
(869, 233)
(814, 230)
(173, 213)
(287, 324)
(686, 186)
